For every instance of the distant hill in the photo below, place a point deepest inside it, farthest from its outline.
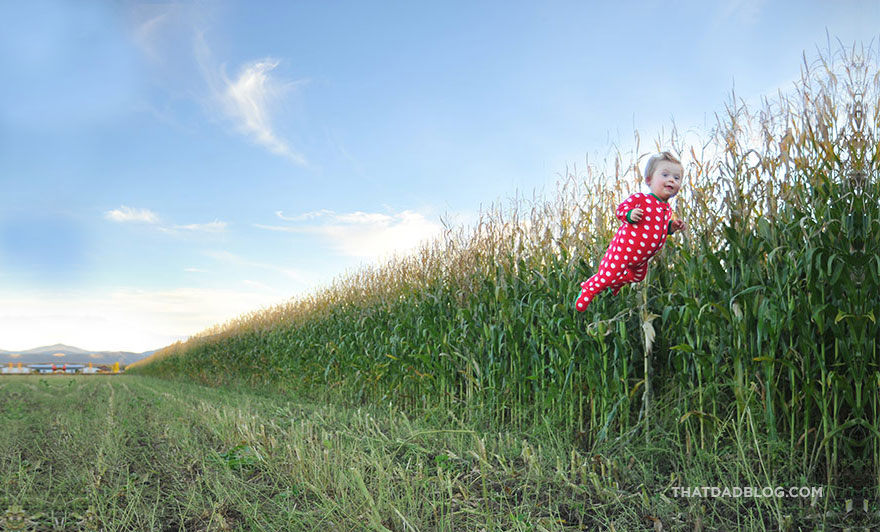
(57, 348)
(66, 354)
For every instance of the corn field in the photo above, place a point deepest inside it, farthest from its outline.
(758, 323)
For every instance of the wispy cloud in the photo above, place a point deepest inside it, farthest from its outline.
(303, 217)
(212, 227)
(128, 214)
(125, 214)
(147, 29)
(363, 234)
(173, 37)
(162, 30)
(249, 99)
(746, 11)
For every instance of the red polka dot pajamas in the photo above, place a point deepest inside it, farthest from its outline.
(626, 260)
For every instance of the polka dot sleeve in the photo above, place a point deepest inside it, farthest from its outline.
(630, 203)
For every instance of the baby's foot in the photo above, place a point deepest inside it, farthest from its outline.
(582, 302)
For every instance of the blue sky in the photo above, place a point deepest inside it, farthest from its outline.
(168, 166)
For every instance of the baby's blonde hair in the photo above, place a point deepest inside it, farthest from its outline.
(652, 163)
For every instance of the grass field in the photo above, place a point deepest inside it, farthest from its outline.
(137, 453)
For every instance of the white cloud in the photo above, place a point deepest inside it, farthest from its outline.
(250, 99)
(212, 227)
(128, 214)
(362, 234)
(303, 217)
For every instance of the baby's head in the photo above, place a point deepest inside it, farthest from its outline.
(663, 174)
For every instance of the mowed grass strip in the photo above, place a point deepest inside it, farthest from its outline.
(123, 453)
(137, 453)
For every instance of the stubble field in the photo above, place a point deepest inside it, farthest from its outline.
(134, 453)
(138, 453)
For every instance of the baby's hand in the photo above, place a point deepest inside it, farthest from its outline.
(635, 215)
(677, 225)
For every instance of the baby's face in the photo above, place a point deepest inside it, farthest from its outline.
(666, 180)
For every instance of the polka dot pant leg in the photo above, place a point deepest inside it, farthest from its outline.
(626, 260)
(610, 271)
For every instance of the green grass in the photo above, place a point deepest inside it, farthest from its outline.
(137, 453)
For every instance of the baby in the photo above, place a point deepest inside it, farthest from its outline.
(646, 222)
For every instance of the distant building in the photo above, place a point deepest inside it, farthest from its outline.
(57, 368)
(15, 370)
(81, 369)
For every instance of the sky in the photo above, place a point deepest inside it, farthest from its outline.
(168, 166)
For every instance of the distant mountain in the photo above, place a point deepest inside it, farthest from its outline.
(57, 348)
(66, 354)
